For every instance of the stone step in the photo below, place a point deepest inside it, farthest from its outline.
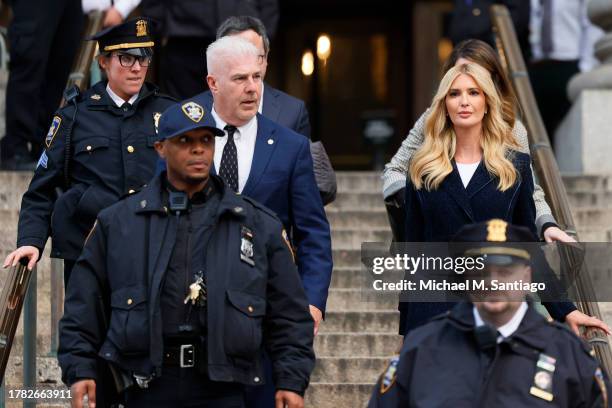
(351, 299)
(350, 238)
(346, 258)
(369, 200)
(348, 370)
(351, 218)
(593, 217)
(361, 321)
(600, 199)
(589, 182)
(357, 344)
(333, 395)
(359, 181)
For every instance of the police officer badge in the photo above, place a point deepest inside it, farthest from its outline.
(156, 117)
(388, 378)
(55, 125)
(543, 379)
(246, 246)
(193, 111)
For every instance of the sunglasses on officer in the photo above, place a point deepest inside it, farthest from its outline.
(128, 60)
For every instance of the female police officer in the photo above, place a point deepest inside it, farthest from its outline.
(99, 148)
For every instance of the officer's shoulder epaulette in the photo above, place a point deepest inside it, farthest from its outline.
(261, 207)
(569, 334)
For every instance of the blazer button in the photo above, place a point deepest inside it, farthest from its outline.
(130, 301)
(476, 12)
(88, 148)
(250, 309)
(256, 379)
(131, 191)
(130, 149)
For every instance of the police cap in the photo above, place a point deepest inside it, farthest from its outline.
(133, 37)
(497, 241)
(183, 117)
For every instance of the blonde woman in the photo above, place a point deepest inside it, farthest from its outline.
(468, 170)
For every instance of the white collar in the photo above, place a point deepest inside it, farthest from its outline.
(509, 328)
(242, 130)
(119, 101)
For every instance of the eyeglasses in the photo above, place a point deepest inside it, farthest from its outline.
(128, 60)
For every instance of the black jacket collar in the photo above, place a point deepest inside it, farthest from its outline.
(151, 198)
(98, 99)
(462, 317)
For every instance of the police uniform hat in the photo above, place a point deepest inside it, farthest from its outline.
(183, 117)
(496, 241)
(132, 37)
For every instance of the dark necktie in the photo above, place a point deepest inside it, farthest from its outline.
(546, 33)
(126, 106)
(228, 170)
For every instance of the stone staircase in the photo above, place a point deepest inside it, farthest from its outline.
(358, 336)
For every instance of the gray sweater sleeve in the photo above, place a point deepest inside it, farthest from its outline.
(394, 174)
(543, 212)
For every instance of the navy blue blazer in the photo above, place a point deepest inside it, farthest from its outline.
(282, 179)
(438, 214)
(278, 106)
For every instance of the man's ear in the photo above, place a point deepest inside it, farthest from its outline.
(212, 83)
(160, 148)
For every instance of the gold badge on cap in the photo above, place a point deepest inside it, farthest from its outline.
(156, 117)
(193, 111)
(141, 28)
(496, 230)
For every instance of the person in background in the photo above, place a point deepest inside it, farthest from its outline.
(44, 37)
(115, 11)
(188, 27)
(562, 45)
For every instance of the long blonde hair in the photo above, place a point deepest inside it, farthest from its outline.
(432, 162)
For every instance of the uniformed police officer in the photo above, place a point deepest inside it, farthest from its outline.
(197, 280)
(496, 351)
(99, 148)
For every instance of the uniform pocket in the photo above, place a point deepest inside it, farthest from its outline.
(91, 145)
(243, 323)
(129, 323)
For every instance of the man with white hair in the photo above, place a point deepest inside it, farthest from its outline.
(269, 163)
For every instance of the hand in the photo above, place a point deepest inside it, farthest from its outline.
(288, 399)
(552, 234)
(317, 316)
(80, 389)
(577, 319)
(112, 17)
(27, 251)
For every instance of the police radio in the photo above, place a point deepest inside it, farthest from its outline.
(178, 201)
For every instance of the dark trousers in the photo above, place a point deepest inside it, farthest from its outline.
(183, 66)
(185, 388)
(549, 81)
(44, 37)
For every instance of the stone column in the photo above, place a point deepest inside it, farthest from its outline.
(583, 141)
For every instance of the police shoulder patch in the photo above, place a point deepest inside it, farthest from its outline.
(599, 379)
(55, 125)
(193, 111)
(388, 378)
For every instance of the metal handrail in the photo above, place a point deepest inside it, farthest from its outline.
(546, 166)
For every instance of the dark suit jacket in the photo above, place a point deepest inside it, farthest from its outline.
(278, 106)
(435, 216)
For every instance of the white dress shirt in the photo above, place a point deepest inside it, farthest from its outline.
(119, 101)
(244, 138)
(466, 171)
(573, 35)
(124, 7)
(507, 329)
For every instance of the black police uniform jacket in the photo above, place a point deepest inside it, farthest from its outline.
(442, 365)
(111, 155)
(120, 274)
